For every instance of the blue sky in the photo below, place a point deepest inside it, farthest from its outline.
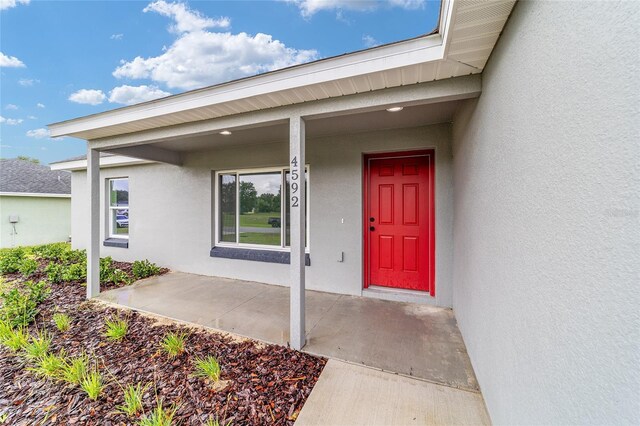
(64, 59)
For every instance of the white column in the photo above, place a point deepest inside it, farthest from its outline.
(298, 230)
(93, 248)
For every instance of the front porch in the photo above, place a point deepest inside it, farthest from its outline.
(413, 340)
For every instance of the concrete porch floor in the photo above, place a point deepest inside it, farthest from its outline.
(409, 339)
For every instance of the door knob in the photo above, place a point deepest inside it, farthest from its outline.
(372, 219)
(372, 228)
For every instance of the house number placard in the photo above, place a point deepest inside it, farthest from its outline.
(295, 177)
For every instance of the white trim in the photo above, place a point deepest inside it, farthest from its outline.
(34, 194)
(283, 220)
(105, 162)
(110, 208)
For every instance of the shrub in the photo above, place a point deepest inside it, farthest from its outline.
(75, 272)
(38, 291)
(50, 366)
(38, 346)
(173, 344)
(119, 277)
(106, 269)
(132, 399)
(54, 272)
(159, 416)
(28, 267)
(144, 268)
(207, 368)
(74, 256)
(54, 251)
(62, 321)
(75, 369)
(11, 260)
(116, 328)
(16, 339)
(92, 384)
(20, 307)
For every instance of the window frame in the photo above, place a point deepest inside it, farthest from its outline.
(111, 208)
(238, 172)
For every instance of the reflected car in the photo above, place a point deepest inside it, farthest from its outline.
(122, 221)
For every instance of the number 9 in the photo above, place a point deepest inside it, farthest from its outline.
(294, 187)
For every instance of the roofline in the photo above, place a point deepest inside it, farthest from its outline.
(35, 194)
(340, 66)
(105, 162)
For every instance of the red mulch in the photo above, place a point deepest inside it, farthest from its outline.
(268, 384)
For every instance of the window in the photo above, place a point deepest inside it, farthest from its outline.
(251, 207)
(119, 208)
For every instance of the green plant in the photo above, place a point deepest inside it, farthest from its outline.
(173, 344)
(75, 272)
(6, 330)
(74, 256)
(143, 269)
(62, 321)
(92, 383)
(116, 328)
(50, 365)
(160, 416)
(207, 368)
(4, 417)
(132, 399)
(16, 339)
(75, 369)
(19, 306)
(38, 346)
(38, 291)
(216, 422)
(28, 267)
(106, 269)
(118, 276)
(11, 260)
(53, 251)
(54, 272)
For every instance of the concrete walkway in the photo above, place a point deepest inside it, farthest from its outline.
(419, 342)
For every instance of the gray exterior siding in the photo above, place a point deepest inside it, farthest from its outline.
(171, 209)
(547, 237)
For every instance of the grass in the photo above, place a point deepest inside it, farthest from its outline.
(62, 321)
(207, 368)
(116, 328)
(132, 399)
(16, 338)
(173, 344)
(75, 369)
(92, 383)
(50, 366)
(257, 220)
(272, 239)
(216, 422)
(160, 416)
(38, 346)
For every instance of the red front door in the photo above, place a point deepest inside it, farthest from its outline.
(399, 221)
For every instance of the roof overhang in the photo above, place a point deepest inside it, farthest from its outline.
(105, 162)
(34, 194)
(465, 38)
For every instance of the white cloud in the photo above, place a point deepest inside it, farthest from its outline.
(199, 58)
(310, 7)
(10, 61)
(369, 41)
(186, 20)
(116, 36)
(8, 4)
(88, 96)
(39, 105)
(27, 82)
(129, 95)
(38, 133)
(5, 146)
(11, 106)
(31, 117)
(10, 121)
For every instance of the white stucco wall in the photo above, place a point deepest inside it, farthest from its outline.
(42, 220)
(171, 209)
(547, 208)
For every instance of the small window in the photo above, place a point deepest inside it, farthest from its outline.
(251, 208)
(119, 208)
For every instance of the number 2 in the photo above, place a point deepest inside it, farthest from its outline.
(294, 202)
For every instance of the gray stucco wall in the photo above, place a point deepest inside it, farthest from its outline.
(547, 207)
(171, 209)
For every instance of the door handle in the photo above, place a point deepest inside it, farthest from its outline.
(372, 228)
(372, 219)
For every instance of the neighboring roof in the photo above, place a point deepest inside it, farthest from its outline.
(82, 157)
(24, 176)
(467, 33)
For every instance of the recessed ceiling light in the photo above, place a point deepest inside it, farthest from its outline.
(225, 132)
(395, 109)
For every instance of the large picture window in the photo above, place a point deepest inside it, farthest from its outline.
(119, 208)
(251, 207)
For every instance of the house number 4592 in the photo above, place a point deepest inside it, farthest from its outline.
(295, 200)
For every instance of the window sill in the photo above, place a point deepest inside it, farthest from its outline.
(269, 256)
(116, 242)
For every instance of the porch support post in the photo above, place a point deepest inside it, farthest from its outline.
(298, 230)
(93, 247)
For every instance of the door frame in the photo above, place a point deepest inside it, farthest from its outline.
(431, 210)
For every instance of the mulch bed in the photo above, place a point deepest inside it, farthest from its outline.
(267, 384)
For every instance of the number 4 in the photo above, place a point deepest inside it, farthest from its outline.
(294, 162)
